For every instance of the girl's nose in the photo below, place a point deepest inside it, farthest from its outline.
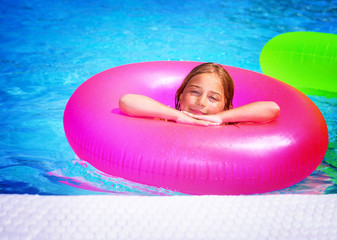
(202, 101)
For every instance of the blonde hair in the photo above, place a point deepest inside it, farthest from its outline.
(226, 80)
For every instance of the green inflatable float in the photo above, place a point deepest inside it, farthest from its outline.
(305, 60)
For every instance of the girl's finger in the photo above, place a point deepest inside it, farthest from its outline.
(195, 116)
(188, 114)
(206, 120)
(206, 123)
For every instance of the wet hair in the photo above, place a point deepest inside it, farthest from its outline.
(219, 71)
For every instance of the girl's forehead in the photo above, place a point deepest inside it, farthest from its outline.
(209, 79)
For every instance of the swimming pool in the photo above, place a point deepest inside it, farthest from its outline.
(50, 47)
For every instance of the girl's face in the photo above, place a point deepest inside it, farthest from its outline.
(203, 95)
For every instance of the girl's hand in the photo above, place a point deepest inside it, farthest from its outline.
(214, 118)
(185, 118)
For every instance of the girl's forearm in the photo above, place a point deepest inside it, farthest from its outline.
(264, 111)
(142, 106)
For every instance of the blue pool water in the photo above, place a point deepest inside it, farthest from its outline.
(48, 48)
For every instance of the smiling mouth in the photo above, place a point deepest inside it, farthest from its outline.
(197, 112)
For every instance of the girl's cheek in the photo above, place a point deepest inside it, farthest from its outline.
(215, 108)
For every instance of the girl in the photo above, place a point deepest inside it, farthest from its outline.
(204, 98)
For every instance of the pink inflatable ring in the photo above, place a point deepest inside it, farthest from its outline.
(227, 159)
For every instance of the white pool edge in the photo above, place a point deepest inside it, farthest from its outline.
(176, 217)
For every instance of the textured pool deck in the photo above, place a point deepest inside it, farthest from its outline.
(178, 217)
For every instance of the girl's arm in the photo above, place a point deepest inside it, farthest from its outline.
(264, 111)
(142, 106)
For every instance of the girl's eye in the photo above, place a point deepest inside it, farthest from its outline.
(194, 92)
(213, 98)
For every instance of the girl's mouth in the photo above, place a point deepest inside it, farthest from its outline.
(196, 112)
